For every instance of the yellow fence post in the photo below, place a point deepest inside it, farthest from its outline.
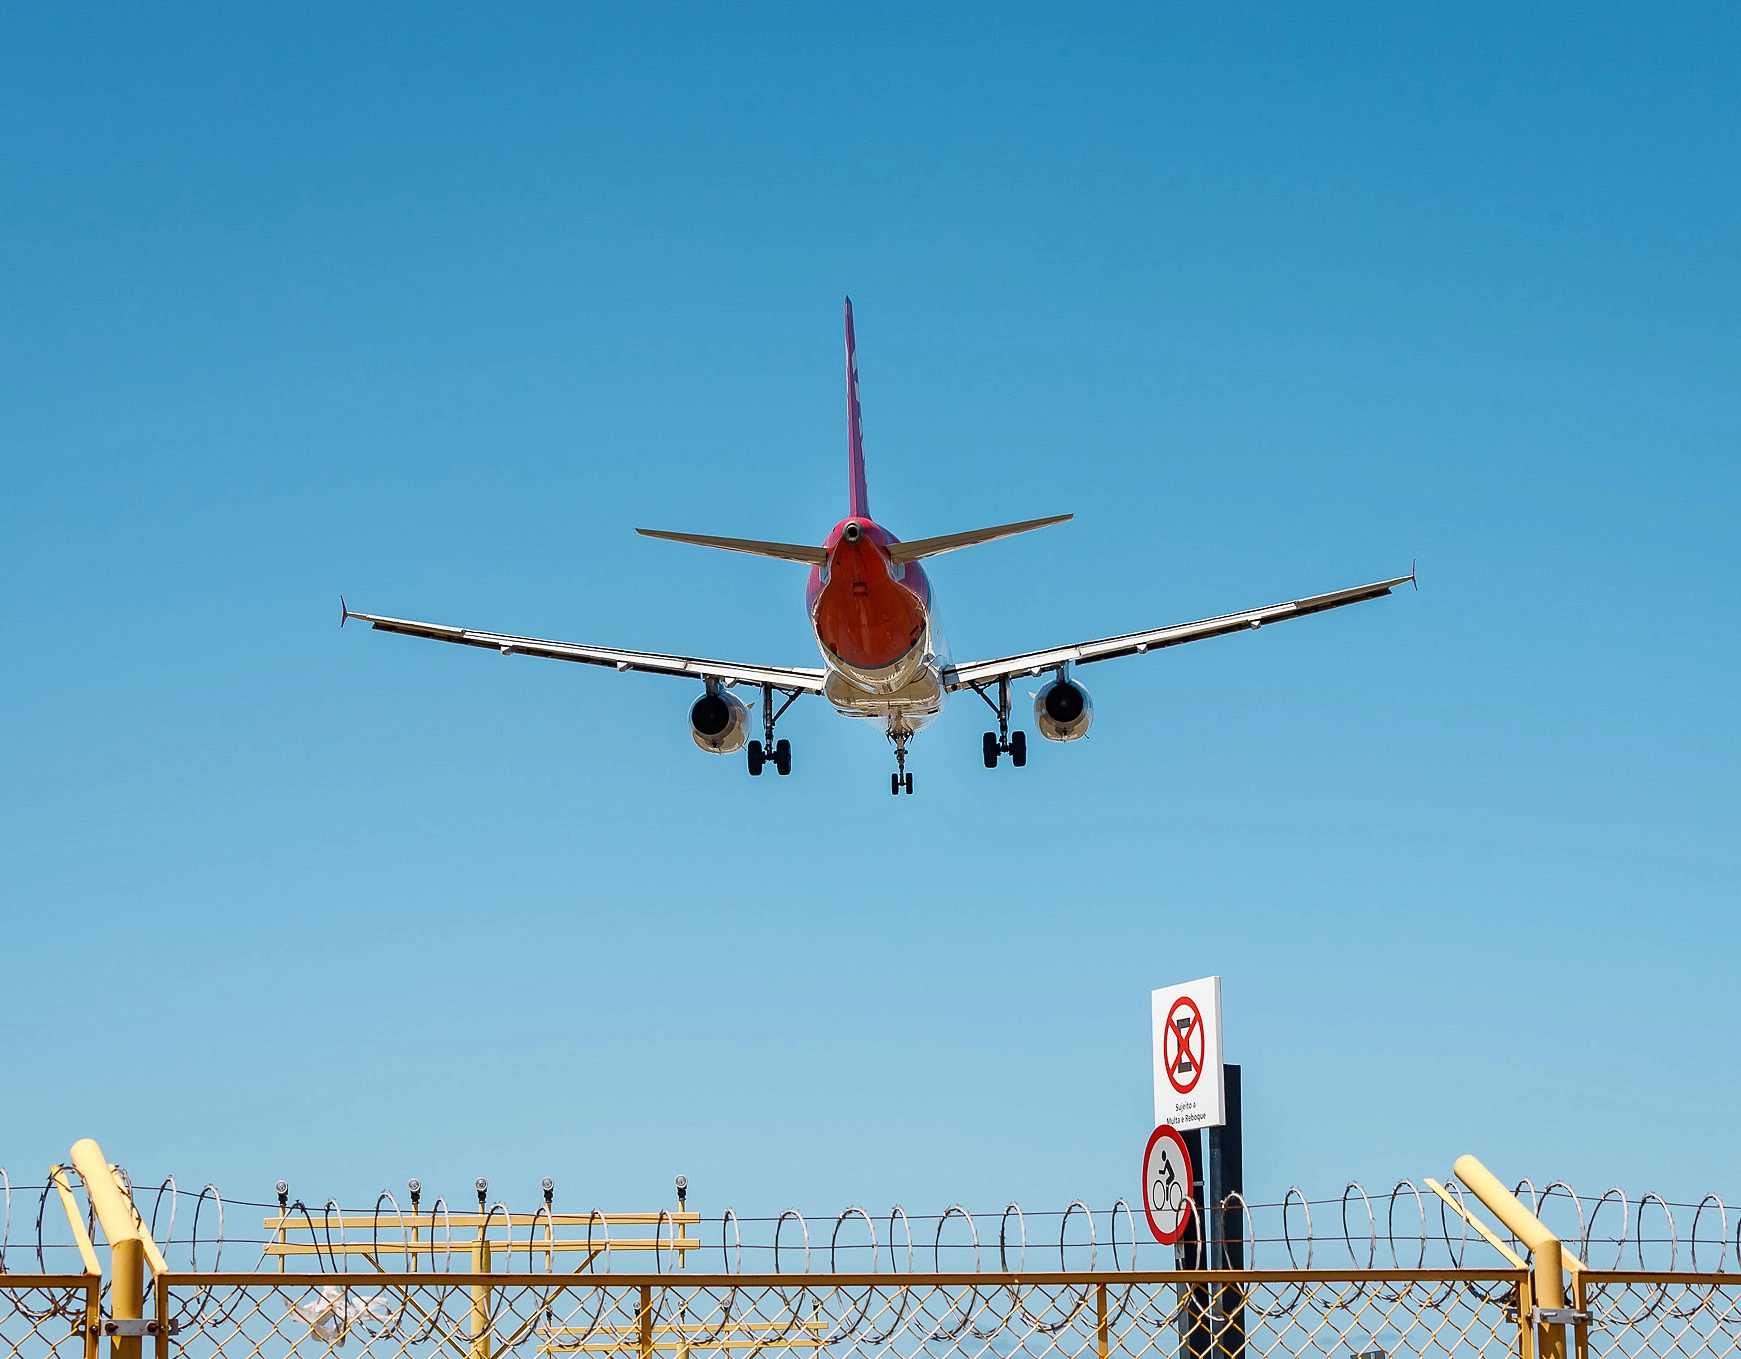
(646, 1321)
(1581, 1305)
(480, 1299)
(126, 1244)
(126, 1293)
(1100, 1336)
(160, 1286)
(1525, 1324)
(93, 1311)
(1546, 1259)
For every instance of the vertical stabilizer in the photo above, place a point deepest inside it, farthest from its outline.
(859, 506)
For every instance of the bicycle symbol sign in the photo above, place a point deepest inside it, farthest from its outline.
(1167, 1185)
(1183, 1045)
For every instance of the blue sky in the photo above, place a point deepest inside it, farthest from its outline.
(432, 306)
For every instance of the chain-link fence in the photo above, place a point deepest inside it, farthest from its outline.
(49, 1316)
(1412, 1272)
(1640, 1315)
(1227, 1315)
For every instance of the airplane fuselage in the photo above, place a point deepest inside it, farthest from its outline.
(874, 624)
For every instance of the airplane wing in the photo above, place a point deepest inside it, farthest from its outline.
(1135, 643)
(791, 678)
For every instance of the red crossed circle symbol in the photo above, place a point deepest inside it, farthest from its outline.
(1182, 1045)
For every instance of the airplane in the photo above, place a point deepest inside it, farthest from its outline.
(870, 608)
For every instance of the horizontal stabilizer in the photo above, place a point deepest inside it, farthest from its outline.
(948, 542)
(791, 552)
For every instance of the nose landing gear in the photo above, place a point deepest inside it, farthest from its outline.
(1002, 741)
(900, 779)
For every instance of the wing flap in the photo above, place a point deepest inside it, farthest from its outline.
(1136, 643)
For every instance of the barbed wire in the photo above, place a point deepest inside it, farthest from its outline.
(1404, 1227)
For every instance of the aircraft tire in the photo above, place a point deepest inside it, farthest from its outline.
(783, 757)
(757, 759)
(991, 752)
(1018, 748)
(909, 782)
(895, 784)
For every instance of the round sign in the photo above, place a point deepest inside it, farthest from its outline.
(1183, 1042)
(1167, 1185)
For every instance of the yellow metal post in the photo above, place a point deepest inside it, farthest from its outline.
(93, 1309)
(1581, 1303)
(1525, 1326)
(76, 1220)
(480, 1299)
(1547, 1265)
(126, 1293)
(120, 1225)
(160, 1287)
(646, 1321)
(1101, 1338)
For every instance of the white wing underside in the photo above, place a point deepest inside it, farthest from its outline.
(1136, 643)
(805, 680)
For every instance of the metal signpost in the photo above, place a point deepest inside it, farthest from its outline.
(1197, 1097)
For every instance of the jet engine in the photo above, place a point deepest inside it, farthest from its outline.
(1063, 710)
(719, 722)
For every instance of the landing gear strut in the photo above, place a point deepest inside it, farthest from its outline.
(1002, 741)
(900, 779)
(768, 750)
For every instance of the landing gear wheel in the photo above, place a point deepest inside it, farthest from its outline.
(895, 784)
(1018, 748)
(908, 781)
(757, 759)
(991, 751)
(783, 757)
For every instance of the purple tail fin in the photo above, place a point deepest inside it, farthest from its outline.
(859, 508)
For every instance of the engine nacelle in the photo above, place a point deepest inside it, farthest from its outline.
(1063, 711)
(719, 722)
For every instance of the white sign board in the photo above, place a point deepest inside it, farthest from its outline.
(1188, 1089)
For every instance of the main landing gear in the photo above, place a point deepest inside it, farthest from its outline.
(1002, 741)
(768, 750)
(900, 779)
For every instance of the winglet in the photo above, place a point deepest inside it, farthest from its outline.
(344, 612)
(1412, 580)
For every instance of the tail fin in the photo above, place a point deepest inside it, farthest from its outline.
(859, 498)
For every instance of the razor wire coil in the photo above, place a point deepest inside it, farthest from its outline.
(1611, 1230)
